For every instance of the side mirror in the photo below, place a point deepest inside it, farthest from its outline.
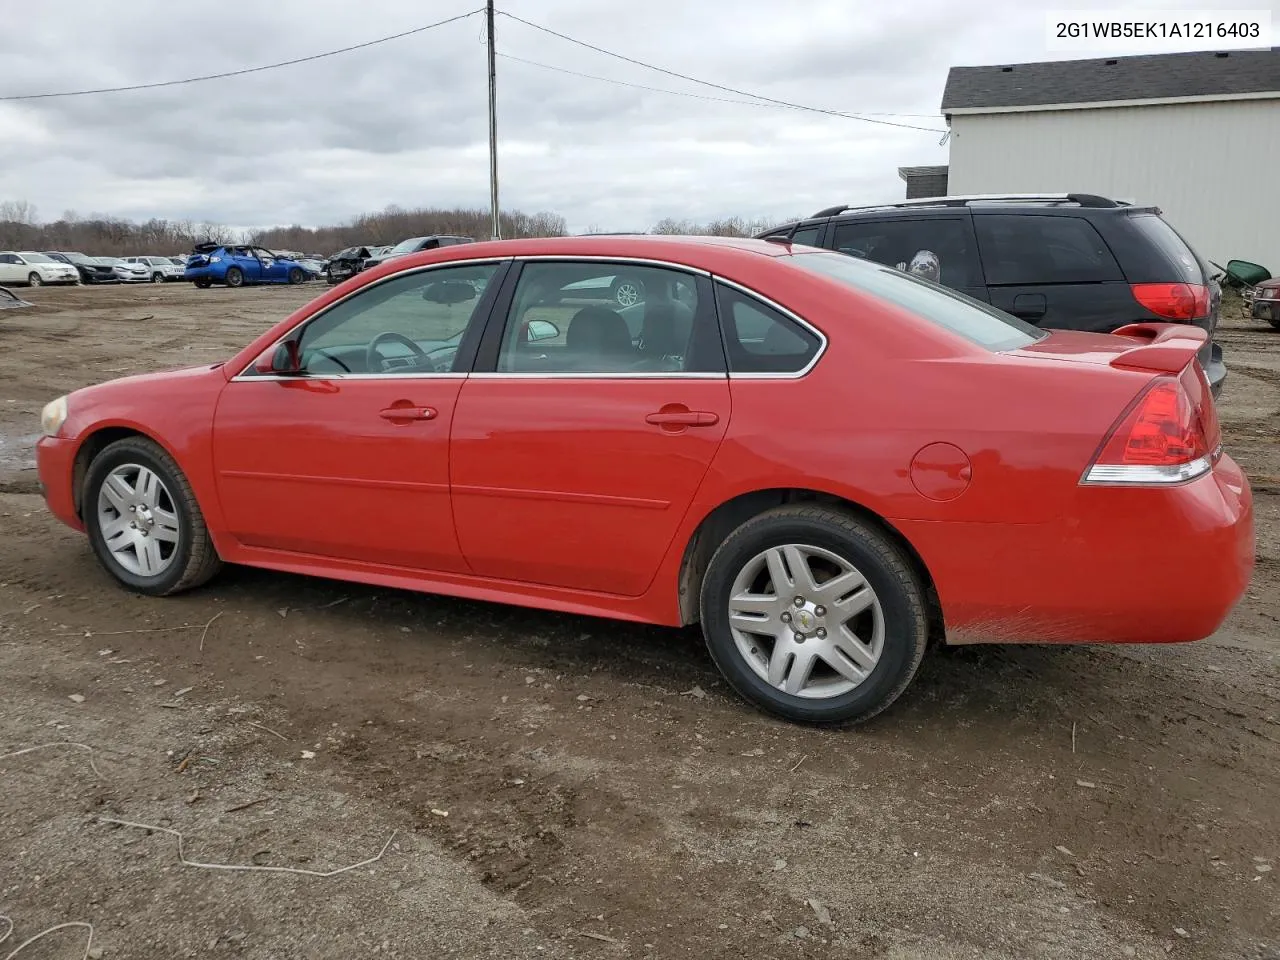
(541, 330)
(283, 360)
(449, 292)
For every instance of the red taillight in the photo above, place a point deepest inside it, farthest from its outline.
(1173, 301)
(1160, 439)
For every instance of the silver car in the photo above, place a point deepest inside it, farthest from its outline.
(160, 269)
(128, 272)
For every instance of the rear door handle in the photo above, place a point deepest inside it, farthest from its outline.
(683, 418)
(407, 412)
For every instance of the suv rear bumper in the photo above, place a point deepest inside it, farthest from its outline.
(1215, 369)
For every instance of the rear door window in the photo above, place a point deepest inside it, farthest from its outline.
(937, 248)
(1028, 249)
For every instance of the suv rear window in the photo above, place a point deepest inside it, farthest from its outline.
(1166, 239)
(972, 319)
(1027, 249)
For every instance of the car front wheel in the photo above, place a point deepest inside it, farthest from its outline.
(34, 279)
(235, 277)
(814, 615)
(143, 519)
(296, 275)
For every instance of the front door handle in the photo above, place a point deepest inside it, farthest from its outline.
(679, 417)
(403, 412)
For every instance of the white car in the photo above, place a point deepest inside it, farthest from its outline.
(35, 269)
(160, 268)
(127, 272)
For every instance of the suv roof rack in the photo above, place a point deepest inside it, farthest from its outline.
(1080, 199)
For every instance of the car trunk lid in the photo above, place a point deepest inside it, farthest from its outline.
(1154, 347)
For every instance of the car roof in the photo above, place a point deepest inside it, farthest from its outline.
(706, 253)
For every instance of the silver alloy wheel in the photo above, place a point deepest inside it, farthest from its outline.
(138, 520)
(34, 279)
(627, 293)
(806, 621)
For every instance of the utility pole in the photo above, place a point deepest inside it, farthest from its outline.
(496, 229)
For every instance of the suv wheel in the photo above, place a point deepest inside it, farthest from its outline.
(34, 279)
(814, 615)
(235, 277)
(157, 278)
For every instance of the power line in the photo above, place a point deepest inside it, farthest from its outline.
(717, 86)
(239, 73)
(626, 83)
(674, 93)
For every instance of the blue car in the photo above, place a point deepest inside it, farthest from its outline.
(236, 266)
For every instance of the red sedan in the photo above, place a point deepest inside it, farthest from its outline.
(825, 461)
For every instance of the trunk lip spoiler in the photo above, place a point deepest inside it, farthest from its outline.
(1165, 347)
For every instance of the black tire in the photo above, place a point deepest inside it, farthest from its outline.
(195, 560)
(296, 275)
(888, 572)
(34, 279)
(157, 278)
(235, 277)
(626, 291)
(203, 283)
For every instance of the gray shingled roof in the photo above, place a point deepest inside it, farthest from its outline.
(1116, 78)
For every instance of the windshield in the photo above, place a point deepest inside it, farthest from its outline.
(972, 319)
(111, 261)
(37, 258)
(407, 246)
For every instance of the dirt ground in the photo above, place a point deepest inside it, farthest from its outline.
(606, 796)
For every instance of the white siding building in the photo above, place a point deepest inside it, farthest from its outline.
(1195, 134)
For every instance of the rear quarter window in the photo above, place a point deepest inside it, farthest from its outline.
(972, 319)
(1179, 258)
(1026, 249)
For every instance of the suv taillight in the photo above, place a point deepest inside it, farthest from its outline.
(1173, 301)
(1160, 439)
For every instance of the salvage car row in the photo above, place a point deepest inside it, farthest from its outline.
(37, 269)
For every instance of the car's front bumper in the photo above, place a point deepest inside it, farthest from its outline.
(55, 463)
(1122, 565)
(1266, 308)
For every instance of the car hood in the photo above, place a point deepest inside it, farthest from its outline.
(141, 383)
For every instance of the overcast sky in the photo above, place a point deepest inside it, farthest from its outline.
(405, 122)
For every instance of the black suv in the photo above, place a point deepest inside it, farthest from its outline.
(1068, 261)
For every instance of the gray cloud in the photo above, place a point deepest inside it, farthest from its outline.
(404, 122)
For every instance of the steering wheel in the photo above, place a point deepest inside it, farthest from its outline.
(375, 362)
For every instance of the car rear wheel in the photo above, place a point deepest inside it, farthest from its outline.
(235, 277)
(143, 520)
(204, 283)
(34, 279)
(626, 291)
(814, 615)
(296, 275)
